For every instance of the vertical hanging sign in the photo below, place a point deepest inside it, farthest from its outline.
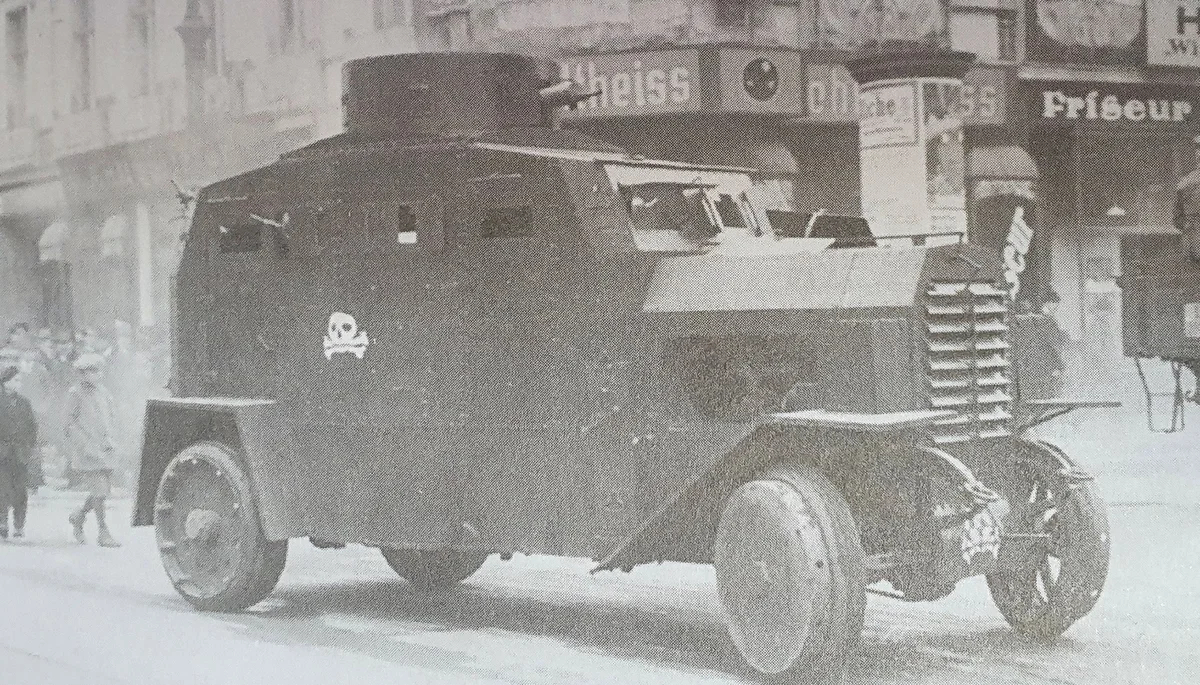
(1016, 246)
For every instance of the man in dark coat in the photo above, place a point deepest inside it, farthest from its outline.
(18, 441)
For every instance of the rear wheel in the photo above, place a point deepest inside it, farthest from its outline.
(790, 574)
(434, 569)
(1057, 582)
(208, 532)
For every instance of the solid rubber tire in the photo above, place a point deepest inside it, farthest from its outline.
(1087, 576)
(260, 563)
(835, 626)
(429, 570)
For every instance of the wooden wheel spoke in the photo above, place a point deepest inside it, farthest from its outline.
(1061, 583)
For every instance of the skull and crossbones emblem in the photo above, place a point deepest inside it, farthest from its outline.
(343, 335)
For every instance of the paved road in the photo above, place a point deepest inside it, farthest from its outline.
(93, 616)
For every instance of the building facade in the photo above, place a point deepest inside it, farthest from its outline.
(115, 109)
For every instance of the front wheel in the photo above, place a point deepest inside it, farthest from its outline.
(791, 574)
(1058, 581)
(209, 537)
(429, 570)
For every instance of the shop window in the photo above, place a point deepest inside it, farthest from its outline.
(240, 238)
(1127, 181)
(55, 274)
(987, 28)
(506, 222)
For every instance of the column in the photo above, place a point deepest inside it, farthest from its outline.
(911, 153)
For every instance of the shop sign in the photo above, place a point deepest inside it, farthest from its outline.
(635, 83)
(1104, 103)
(1173, 33)
(766, 81)
(831, 94)
(1016, 247)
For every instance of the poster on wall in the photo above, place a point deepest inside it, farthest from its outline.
(1108, 32)
(892, 159)
(912, 158)
(945, 158)
(887, 114)
(1173, 33)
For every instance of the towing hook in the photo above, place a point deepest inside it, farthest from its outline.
(979, 494)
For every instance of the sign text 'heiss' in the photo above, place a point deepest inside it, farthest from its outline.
(632, 84)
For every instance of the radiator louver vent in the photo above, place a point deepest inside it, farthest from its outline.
(967, 351)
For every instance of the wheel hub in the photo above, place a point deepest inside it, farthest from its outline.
(201, 526)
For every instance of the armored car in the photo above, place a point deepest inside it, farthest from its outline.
(457, 330)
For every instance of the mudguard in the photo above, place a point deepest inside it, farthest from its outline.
(255, 427)
(682, 529)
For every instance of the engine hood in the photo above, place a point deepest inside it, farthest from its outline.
(828, 280)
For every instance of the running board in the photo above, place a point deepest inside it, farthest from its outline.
(870, 423)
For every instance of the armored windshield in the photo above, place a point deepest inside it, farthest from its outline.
(687, 210)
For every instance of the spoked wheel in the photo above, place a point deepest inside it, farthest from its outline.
(434, 569)
(209, 537)
(1059, 580)
(790, 574)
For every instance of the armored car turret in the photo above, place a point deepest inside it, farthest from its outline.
(456, 330)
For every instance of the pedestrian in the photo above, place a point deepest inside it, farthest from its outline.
(18, 443)
(92, 442)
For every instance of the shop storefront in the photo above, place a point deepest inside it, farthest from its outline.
(1110, 156)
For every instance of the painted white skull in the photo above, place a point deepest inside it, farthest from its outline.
(343, 335)
(342, 328)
